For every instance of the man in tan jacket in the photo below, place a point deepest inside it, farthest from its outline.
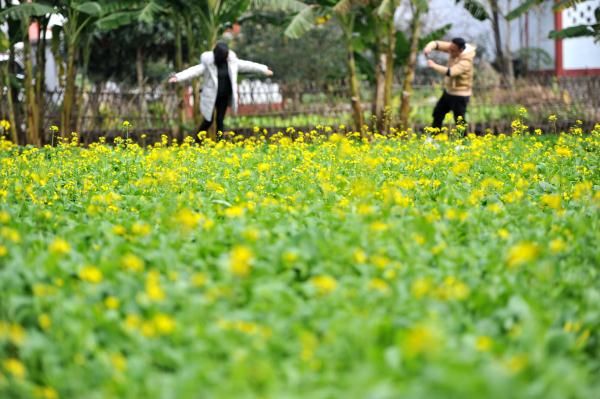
(458, 82)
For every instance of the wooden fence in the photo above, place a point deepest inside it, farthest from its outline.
(101, 112)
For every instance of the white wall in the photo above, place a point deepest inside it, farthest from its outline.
(580, 53)
(541, 23)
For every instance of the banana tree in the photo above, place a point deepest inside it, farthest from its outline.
(385, 12)
(419, 8)
(5, 81)
(342, 12)
(23, 14)
(491, 10)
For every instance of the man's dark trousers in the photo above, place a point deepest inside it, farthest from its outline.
(456, 104)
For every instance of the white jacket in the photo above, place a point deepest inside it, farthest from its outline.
(208, 68)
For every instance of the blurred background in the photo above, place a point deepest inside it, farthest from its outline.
(88, 66)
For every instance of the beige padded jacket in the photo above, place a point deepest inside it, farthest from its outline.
(460, 81)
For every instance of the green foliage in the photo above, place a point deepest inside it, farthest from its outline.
(4, 43)
(317, 57)
(25, 11)
(476, 8)
(328, 267)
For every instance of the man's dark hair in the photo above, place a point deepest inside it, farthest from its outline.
(460, 43)
(221, 52)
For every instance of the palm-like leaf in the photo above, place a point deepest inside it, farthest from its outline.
(293, 6)
(529, 4)
(387, 8)
(476, 9)
(301, 23)
(91, 8)
(26, 10)
(523, 8)
(573, 32)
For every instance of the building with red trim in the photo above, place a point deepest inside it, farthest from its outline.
(568, 57)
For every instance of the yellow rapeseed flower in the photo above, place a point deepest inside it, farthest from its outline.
(153, 288)
(91, 274)
(132, 263)
(516, 363)
(522, 253)
(15, 367)
(45, 393)
(483, 343)
(551, 200)
(4, 125)
(421, 287)
(240, 261)
(44, 321)
(557, 245)
(379, 285)
(453, 289)
(359, 256)
(119, 230)
(562, 151)
(582, 189)
(118, 361)
(132, 322)
(16, 334)
(251, 234)
(141, 229)
(112, 302)
(235, 211)
(199, 279)
(10, 234)
(59, 247)
(289, 257)
(324, 284)
(164, 324)
(420, 339)
(378, 226)
(188, 219)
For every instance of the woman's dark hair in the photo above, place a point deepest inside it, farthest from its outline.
(221, 53)
(460, 43)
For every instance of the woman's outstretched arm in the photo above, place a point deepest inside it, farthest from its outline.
(253, 67)
(188, 74)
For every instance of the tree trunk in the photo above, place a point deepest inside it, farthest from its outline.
(12, 110)
(500, 59)
(11, 105)
(80, 100)
(389, 73)
(213, 35)
(193, 49)
(40, 80)
(355, 91)
(510, 73)
(179, 67)
(69, 94)
(139, 66)
(377, 102)
(32, 133)
(409, 71)
(347, 25)
(379, 99)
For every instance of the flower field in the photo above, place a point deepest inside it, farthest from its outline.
(327, 267)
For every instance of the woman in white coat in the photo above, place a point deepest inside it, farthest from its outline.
(220, 68)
